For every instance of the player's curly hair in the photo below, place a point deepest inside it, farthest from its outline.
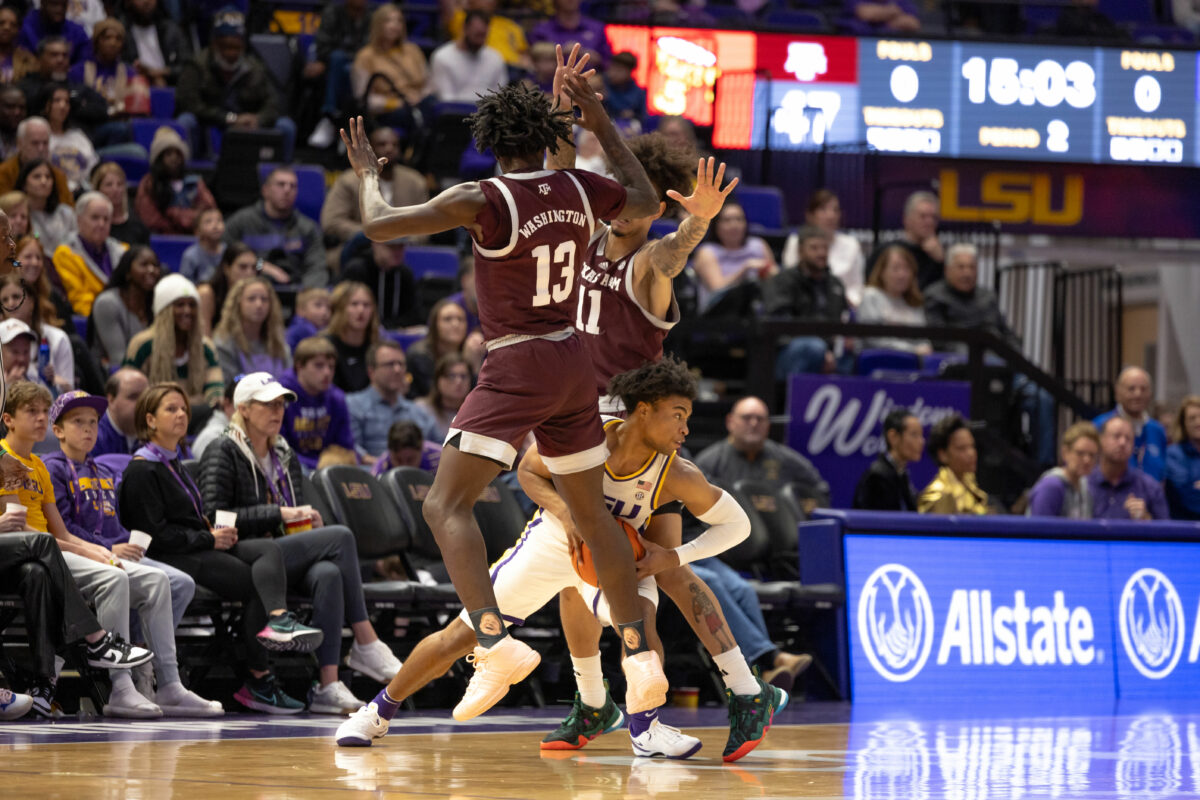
(667, 166)
(652, 382)
(516, 120)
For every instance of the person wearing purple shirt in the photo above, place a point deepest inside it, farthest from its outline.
(116, 433)
(319, 418)
(407, 447)
(1118, 490)
(623, 98)
(51, 20)
(569, 26)
(1063, 491)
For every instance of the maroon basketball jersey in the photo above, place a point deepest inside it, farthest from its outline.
(535, 232)
(620, 334)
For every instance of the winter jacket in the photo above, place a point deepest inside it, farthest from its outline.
(81, 276)
(233, 480)
(204, 91)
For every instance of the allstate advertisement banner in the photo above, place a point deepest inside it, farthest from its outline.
(837, 423)
(938, 619)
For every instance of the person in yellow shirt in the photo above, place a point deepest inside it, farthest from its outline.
(954, 489)
(504, 35)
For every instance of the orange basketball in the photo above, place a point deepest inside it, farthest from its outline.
(586, 569)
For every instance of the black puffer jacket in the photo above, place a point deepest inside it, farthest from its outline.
(232, 480)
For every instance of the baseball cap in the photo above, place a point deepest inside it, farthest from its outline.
(76, 399)
(261, 387)
(228, 21)
(11, 328)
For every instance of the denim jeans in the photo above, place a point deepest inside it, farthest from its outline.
(739, 602)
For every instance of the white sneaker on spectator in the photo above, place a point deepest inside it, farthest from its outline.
(332, 698)
(322, 135)
(375, 660)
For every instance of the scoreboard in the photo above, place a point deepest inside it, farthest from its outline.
(1103, 105)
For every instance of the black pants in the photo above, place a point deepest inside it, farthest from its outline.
(55, 612)
(251, 572)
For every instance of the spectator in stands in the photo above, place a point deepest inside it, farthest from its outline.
(731, 256)
(51, 20)
(1081, 19)
(809, 292)
(70, 148)
(958, 301)
(318, 422)
(12, 111)
(53, 363)
(169, 198)
(954, 489)
(53, 221)
(126, 306)
(400, 185)
(86, 259)
(1118, 489)
(249, 337)
(889, 16)
(374, 409)
(824, 210)
(892, 298)
(466, 67)
(238, 262)
(280, 234)
(749, 453)
(15, 205)
(156, 45)
(465, 296)
(109, 179)
(33, 144)
(1186, 14)
(887, 485)
(214, 428)
(85, 494)
(921, 217)
(33, 261)
(1063, 491)
(117, 430)
(353, 328)
(202, 257)
(1183, 462)
(17, 346)
(226, 87)
(15, 60)
(106, 73)
(390, 76)
(407, 447)
(381, 264)
(452, 380)
(311, 317)
(543, 65)
(504, 35)
(568, 26)
(1134, 392)
(341, 33)
(253, 472)
(446, 333)
(623, 98)
(158, 496)
(174, 349)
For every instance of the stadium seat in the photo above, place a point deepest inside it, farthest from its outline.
(317, 498)
(310, 195)
(405, 340)
(169, 249)
(135, 167)
(276, 52)
(192, 465)
(763, 206)
(408, 487)
(661, 227)
(781, 524)
(873, 359)
(81, 325)
(796, 19)
(500, 518)
(162, 102)
(432, 261)
(1139, 11)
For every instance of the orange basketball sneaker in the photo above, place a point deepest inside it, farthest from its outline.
(506, 662)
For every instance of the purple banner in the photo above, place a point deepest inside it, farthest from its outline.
(837, 423)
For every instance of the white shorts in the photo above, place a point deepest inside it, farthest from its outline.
(535, 569)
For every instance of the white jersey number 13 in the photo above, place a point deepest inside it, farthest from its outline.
(564, 256)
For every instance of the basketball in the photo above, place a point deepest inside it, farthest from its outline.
(582, 559)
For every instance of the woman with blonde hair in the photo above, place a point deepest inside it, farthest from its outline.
(250, 335)
(892, 297)
(353, 328)
(390, 72)
(1063, 491)
(16, 205)
(31, 257)
(446, 333)
(109, 179)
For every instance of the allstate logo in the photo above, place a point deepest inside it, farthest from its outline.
(895, 622)
(1152, 623)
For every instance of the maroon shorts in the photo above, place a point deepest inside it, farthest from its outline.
(537, 385)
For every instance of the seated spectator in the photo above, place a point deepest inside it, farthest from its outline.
(389, 74)
(124, 90)
(311, 317)
(126, 306)
(954, 489)
(174, 349)
(544, 63)
(341, 33)
(730, 256)
(846, 262)
(237, 263)
(1081, 19)
(85, 493)
(374, 409)
(158, 496)
(809, 292)
(214, 428)
(249, 337)
(85, 261)
(280, 234)
(569, 26)
(921, 217)
(1134, 392)
(452, 380)
(1183, 463)
(321, 559)
(318, 422)
(118, 430)
(466, 298)
(890, 16)
(50, 19)
(15, 205)
(18, 345)
(70, 148)
(1119, 490)
(15, 60)
(53, 221)
(51, 360)
(504, 35)
(400, 185)
(1063, 491)
(33, 144)
(958, 301)
(33, 261)
(168, 197)
(381, 264)
(156, 45)
(109, 179)
(749, 453)
(12, 111)
(226, 87)
(623, 98)
(465, 67)
(200, 260)
(407, 447)
(887, 485)
(353, 328)
(892, 298)
(446, 333)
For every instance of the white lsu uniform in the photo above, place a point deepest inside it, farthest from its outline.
(535, 569)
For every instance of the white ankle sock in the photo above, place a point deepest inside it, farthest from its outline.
(735, 672)
(589, 677)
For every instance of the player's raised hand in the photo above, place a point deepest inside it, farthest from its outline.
(574, 62)
(591, 113)
(708, 196)
(358, 148)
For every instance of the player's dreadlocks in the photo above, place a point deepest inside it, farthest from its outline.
(516, 120)
(667, 166)
(652, 382)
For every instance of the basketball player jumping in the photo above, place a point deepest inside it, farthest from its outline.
(530, 228)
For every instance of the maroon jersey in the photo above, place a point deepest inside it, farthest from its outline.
(535, 232)
(620, 334)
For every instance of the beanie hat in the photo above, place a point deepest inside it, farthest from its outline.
(172, 288)
(165, 138)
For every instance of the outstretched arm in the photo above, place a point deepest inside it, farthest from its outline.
(668, 256)
(564, 157)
